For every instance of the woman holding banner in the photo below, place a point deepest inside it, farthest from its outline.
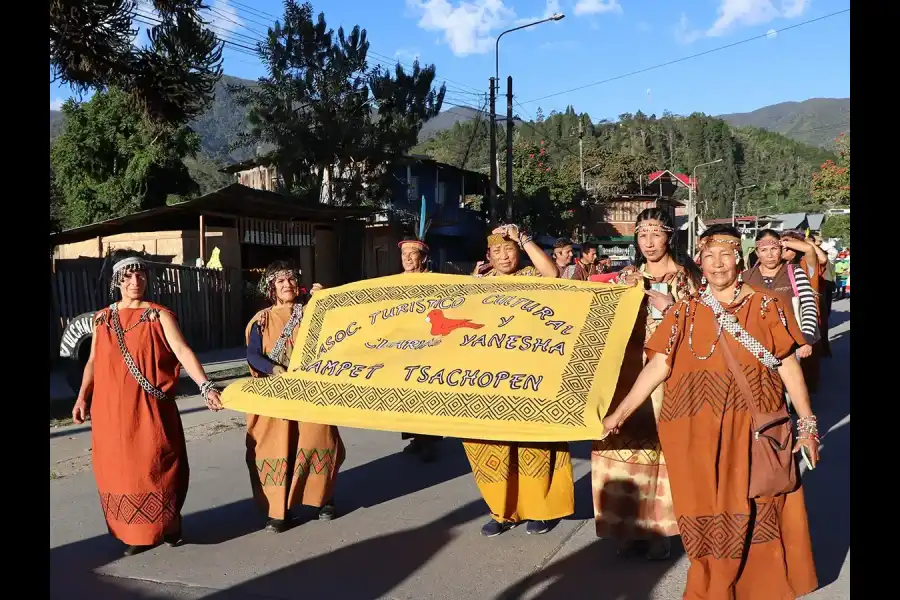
(289, 462)
(632, 497)
(521, 482)
(413, 258)
(726, 356)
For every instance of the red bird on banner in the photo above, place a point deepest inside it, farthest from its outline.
(441, 325)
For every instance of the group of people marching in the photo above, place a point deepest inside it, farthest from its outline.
(716, 357)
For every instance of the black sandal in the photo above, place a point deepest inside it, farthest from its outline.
(133, 550)
(174, 539)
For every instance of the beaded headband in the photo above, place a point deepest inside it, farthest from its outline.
(290, 273)
(727, 240)
(768, 241)
(420, 245)
(652, 226)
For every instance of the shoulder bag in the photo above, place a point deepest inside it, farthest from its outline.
(773, 471)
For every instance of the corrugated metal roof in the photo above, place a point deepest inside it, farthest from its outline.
(235, 200)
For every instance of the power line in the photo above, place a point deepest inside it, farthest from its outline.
(692, 56)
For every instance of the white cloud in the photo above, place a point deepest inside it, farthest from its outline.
(223, 17)
(794, 8)
(684, 34)
(742, 13)
(551, 7)
(466, 27)
(407, 54)
(56, 103)
(596, 7)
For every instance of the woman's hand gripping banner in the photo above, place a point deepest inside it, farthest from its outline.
(518, 359)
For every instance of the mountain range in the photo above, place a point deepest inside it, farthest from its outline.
(815, 122)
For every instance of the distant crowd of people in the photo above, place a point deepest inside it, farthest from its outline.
(720, 347)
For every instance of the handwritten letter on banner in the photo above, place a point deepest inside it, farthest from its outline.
(502, 358)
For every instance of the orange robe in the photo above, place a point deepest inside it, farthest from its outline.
(290, 462)
(138, 447)
(740, 549)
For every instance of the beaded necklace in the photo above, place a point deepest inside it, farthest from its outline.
(712, 349)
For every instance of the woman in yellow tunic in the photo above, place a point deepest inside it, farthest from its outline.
(521, 482)
(289, 462)
(632, 497)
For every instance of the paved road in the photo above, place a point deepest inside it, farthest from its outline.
(407, 530)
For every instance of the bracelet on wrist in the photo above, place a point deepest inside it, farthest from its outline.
(206, 387)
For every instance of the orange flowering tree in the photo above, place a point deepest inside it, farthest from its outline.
(831, 184)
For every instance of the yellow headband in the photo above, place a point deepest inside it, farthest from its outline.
(495, 239)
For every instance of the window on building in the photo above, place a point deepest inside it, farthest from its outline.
(441, 192)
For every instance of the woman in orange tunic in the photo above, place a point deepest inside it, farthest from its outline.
(289, 462)
(138, 450)
(740, 548)
(632, 495)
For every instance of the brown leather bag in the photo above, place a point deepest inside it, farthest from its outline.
(773, 470)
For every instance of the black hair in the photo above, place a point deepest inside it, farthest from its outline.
(587, 247)
(720, 229)
(764, 233)
(562, 243)
(603, 257)
(680, 258)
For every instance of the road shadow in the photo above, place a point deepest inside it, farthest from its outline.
(827, 488)
(363, 570)
(597, 567)
(363, 486)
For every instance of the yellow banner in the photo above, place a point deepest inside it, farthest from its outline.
(502, 358)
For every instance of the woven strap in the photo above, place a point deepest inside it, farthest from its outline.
(276, 355)
(142, 381)
(730, 324)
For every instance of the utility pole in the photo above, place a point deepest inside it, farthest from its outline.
(509, 150)
(492, 196)
(581, 149)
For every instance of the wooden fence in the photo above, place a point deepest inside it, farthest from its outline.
(207, 302)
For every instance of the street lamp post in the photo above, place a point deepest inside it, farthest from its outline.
(509, 183)
(734, 203)
(692, 210)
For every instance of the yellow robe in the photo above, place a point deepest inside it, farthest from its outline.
(523, 482)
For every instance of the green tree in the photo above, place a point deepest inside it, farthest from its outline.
(110, 160)
(172, 79)
(837, 226)
(316, 109)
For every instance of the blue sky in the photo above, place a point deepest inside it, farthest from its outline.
(597, 40)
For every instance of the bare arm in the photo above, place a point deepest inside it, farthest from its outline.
(182, 351)
(792, 376)
(543, 263)
(186, 356)
(808, 250)
(821, 256)
(80, 411)
(654, 373)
